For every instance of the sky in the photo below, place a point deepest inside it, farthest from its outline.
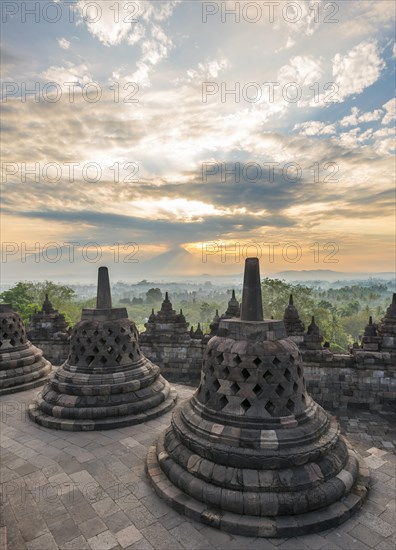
(179, 137)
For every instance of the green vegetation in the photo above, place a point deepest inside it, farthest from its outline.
(341, 313)
(26, 297)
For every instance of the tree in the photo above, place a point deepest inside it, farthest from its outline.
(153, 295)
(25, 297)
(206, 312)
(276, 297)
(22, 299)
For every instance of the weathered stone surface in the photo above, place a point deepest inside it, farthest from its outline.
(251, 452)
(387, 329)
(48, 330)
(168, 343)
(293, 324)
(22, 365)
(106, 381)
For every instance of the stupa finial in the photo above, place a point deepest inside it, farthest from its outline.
(103, 296)
(252, 306)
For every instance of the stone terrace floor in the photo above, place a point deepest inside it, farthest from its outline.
(89, 491)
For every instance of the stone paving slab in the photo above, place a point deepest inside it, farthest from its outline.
(89, 491)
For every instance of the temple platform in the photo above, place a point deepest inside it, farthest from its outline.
(89, 491)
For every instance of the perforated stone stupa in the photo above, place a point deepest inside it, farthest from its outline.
(251, 452)
(387, 328)
(22, 365)
(106, 382)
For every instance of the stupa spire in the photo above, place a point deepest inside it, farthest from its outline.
(103, 295)
(252, 306)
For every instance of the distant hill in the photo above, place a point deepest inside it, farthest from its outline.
(329, 275)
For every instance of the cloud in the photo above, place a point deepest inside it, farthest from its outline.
(356, 117)
(211, 68)
(358, 69)
(113, 23)
(315, 128)
(302, 70)
(69, 73)
(63, 43)
(390, 108)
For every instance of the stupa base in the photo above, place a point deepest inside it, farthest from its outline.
(86, 425)
(260, 526)
(30, 381)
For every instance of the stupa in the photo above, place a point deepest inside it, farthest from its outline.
(22, 365)
(166, 325)
(233, 309)
(293, 324)
(313, 338)
(251, 452)
(371, 341)
(106, 382)
(49, 330)
(387, 328)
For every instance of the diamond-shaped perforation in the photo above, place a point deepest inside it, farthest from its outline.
(215, 385)
(291, 359)
(211, 369)
(295, 387)
(299, 371)
(246, 405)
(118, 359)
(223, 401)
(270, 407)
(268, 376)
(276, 361)
(219, 358)
(237, 360)
(290, 405)
(245, 374)
(225, 372)
(258, 390)
(234, 388)
(257, 361)
(280, 390)
(287, 375)
(103, 360)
